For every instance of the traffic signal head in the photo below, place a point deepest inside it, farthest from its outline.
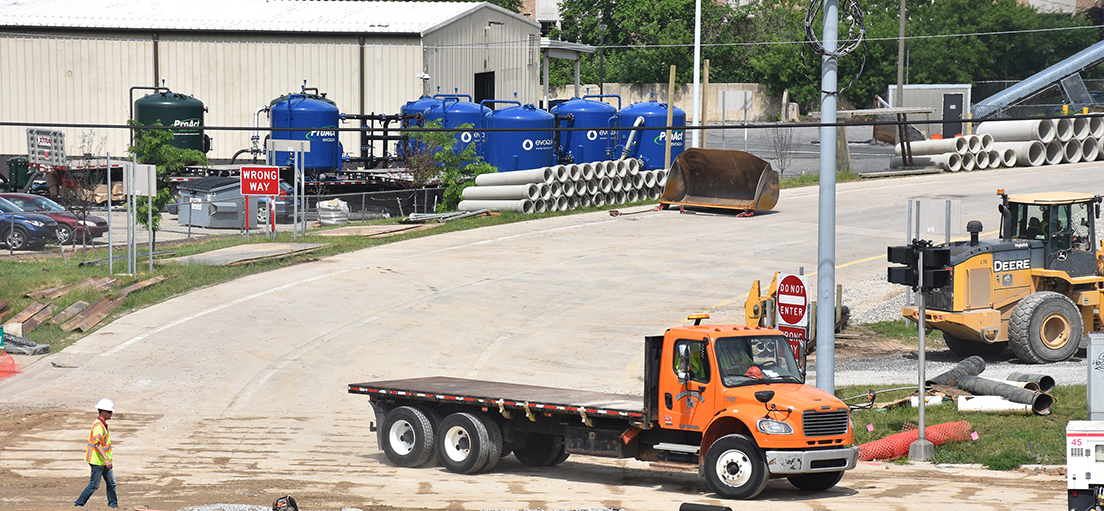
(903, 275)
(906, 255)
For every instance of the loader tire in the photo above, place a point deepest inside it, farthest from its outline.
(407, 437)
(967, 348)
(462, 443)
(735, 468)
(1045, 327)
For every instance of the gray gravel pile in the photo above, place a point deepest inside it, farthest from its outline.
(874, 300)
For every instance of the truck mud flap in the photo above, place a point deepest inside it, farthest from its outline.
(717, 178)
(594, 442)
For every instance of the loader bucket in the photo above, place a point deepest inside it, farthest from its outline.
(716, 178)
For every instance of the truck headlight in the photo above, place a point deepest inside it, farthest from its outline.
(773, 427)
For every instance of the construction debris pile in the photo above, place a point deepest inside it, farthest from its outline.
(1024, 143)
(564, 187)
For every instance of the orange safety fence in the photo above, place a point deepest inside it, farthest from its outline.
(8, 367)
(897, 445)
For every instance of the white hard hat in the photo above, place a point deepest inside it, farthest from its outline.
(106, 404)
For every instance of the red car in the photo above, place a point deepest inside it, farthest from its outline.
(67, 222)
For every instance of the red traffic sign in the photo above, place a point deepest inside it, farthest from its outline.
(798, 338)
(793, 301)
(260, 180)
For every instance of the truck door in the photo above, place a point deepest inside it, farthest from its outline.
(681, 401)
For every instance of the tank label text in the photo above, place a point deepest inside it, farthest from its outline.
(187, 123)
(543, 144)
(1003, 266)
(676, 138)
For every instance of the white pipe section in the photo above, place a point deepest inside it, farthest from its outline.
(561, 173)
(586, 201)
(517, 177)
(592, 187)
(981, 159)
(629, 169)
(618, 170)
(995, 161)
(634, 195)
(1071, 153)
(637, 181)
(568, 189)
(1028, 154)
(661, 178)
(616, 184)
(968, 162)
(1063, 129)
(545, 191)
(1053, 154)
(1090, 149)
(575, 172)
(1029, 385)
(572, 203)
(520, 206)
(1096, 127)
(656, 193)
(561, 203)
(605, 185)
(1008, 157)
(505, 192)
(540, 205)
(973, 144)
(587, 170)
(555, 190)
(599, 200)
(986, 141)
(634, 166)
(951, 162)
(1080, 128)
(995, 405)
(1100, 147)
(600, 169)
(946, 145)
(1019, 131)
(649, 178)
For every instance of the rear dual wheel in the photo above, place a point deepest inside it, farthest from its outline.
(468, 443)
(541, 451)
(407, 436)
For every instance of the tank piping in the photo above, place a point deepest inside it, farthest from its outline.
(629, 142)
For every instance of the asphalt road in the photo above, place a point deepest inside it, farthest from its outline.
(248, 379)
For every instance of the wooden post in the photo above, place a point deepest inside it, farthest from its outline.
(670, 116)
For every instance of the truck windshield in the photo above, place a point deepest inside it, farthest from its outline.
(752, 360)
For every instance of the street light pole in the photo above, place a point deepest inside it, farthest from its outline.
(602, 59)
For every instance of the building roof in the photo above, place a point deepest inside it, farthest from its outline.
(286, 16)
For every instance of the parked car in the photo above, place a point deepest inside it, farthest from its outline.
(20, 230)
(68, 222)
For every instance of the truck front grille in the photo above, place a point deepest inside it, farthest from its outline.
(816, 423)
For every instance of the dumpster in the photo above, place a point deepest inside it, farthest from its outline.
(217, 203)
(18, 173)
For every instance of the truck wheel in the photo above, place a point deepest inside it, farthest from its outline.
(966, 348)
(494, 445)
(819, 481)
(407, 436)
(734, 467)
(539, 451)
(1045, 327)
(462, 443)
(561, 457)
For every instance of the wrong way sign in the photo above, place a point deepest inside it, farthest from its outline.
(793, 301)
(261, 180)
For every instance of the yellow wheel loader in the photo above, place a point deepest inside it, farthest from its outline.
(1036, 289)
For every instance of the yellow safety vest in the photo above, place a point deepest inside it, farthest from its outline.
(99, 435)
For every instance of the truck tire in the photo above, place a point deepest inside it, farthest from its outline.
(819, 481)
(539, 451)
(967, 348)
(462, 443)
(494, 445)
(1045, 327)
(735, 468)
(407, 437)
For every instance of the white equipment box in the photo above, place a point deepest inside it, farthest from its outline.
(1084, 463)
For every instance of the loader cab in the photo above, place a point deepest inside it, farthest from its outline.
(1063, 223)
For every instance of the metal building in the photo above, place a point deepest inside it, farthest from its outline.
(75, 61)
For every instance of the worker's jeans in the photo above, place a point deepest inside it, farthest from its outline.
(108, 475)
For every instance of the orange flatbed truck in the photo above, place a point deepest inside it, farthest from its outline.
(728, 401)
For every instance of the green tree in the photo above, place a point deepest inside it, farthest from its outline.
(432, 158)
(152, 147)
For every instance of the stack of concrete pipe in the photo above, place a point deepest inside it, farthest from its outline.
(564, 187)
(1025, 143)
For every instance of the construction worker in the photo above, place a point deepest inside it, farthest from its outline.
(99, 457)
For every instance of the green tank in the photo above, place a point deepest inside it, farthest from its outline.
(183, 113)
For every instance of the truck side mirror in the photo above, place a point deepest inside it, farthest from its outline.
(683, 364)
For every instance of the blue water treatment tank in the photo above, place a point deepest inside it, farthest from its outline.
(594, 144)
(316, 118)
(520, 150)
(651, 146)
(454, 112)
(412, 108)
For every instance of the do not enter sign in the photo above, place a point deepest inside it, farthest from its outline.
(793, 301)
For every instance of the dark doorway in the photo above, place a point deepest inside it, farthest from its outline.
(484, 87)
(952, 111)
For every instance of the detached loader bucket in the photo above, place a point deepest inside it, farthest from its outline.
(716, 178)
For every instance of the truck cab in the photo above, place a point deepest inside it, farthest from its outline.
(736, 393)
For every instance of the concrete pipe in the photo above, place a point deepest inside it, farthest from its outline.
(1063, 129)
(605, 185)
(519, 206)
(649, 178)
(973, 144)
(591, 187)
(1028, 154)
(661, 178)
(629, 169)
(637, 181)
(1071, 152)
(1080, 128)
(575, 172)
(1054, 150)
(968, 163)
(505, 192)
(587, 171)
(572, 202)
(951, 162)
(1045, 383)
(540, 206)
(555, 190)
(981, 159)
(1040, 402)
(995, 161)
(600, 170)
(1090, 149)
(655, 193)
(562, 173)
(971, 366)
(1096, 127)
(994, 405)
(634, 166)
(561, 203)
(958, 145)
(634, 195)
(618, 170)
(517, 177)
(586, 201)
(616, 184)
(986, 141)
(1019, 131)
(599, 200)
(1007, 157)
(568, 189)
(545, 191)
